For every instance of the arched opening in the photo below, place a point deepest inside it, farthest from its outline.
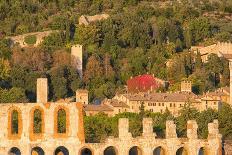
(37, 121)
(202, 151)
(61, 121)
(86, 151)
(181, 151)
(159, 151)
(61, 151)
(14, 151)
(14, 122)
(37, 151)
(135, 150)
(110, 151)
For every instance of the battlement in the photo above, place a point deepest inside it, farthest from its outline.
(58, 128)
(50, 140)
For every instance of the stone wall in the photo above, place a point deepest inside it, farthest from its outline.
(86, 20)
(39, 38)
(227, 145)
(73, 141)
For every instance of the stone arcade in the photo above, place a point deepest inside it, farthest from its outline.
(27, 138)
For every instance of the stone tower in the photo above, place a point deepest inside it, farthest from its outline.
(230, 67)
(186, 86)
(42, 90)
(82, 96)
(76, 53)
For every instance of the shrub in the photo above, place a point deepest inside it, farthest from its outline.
(30, 40)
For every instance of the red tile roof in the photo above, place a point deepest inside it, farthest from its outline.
(142, 83)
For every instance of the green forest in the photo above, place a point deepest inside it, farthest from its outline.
(99, 127)
(140, 36)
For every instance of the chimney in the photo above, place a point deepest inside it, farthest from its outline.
(42, 90)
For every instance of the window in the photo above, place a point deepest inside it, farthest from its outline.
(162, 104)
(155, 104)
(61, 121)
(119, 110)
(159, 104)
(170, 104)
(37, 121)
(174, 104)
(161, 111)
(14, 122)
(215, 103)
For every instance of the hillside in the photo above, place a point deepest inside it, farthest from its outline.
(138, 37)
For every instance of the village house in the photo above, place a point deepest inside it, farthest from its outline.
(155, 102)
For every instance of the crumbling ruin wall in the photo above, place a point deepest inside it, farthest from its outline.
(49, 141)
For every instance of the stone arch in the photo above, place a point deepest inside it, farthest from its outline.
(37, 124)
(37, 151)
(135, 150)
(61, 122)
(86, 151)
(61, 150)
(110, 150)
(14, 151)
(159, 151)
(181, 151)
(14, 123)
(202, 151)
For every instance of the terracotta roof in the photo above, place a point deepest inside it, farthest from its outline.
(216, 93)
(116, 103)
(228, 56)
(142, 83)
(94, 107)
(226, 89)
(163, 97)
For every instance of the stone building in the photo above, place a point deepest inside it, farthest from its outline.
(86, 20)
(220, 49)
(156, 102)
(35, 129)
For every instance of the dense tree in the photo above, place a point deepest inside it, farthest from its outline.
(13, 95)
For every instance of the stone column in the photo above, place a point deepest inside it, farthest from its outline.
(148, 128)
(230, 67)
(214, 139)
(170, 130)
(192, 129)
(123, 128)
(42, 90)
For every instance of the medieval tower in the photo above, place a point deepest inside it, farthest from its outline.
(76, 53)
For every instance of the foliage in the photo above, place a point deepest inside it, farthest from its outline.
(13, 95)
(139, 37)
(98, 127)
(30, 40)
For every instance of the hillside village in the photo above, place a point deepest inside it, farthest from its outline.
(107, 64)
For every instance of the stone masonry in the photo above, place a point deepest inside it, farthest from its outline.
(50, 142)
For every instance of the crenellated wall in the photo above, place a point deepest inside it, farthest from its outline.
(25, 140)
(73, 141)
